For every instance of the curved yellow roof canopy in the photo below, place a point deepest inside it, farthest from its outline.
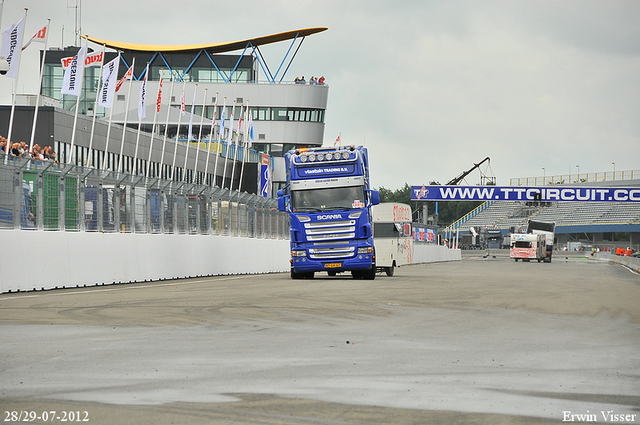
(211, 48)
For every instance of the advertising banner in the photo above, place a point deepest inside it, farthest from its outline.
(265, 176)
(520, 193)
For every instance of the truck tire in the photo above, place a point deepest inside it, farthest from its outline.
(389, 271)
(369, 274)
(295, 275)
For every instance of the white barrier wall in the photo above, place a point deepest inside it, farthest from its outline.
(434, 253)
(633, 263)
(45, 260)
(34, 260)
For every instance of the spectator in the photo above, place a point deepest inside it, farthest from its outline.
(321, 81)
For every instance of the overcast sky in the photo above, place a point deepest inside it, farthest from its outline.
(430, 87)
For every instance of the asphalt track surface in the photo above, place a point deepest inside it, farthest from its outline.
(481, 341)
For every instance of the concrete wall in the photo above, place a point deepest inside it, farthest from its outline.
(76, 259)
(87, 258)
(434, 253)
(633, 263)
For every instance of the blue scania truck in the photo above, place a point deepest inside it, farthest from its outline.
(329, 199)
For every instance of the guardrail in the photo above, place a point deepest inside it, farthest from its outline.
(576, 178)
(42, 195)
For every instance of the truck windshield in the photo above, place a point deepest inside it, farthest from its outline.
(326, 199)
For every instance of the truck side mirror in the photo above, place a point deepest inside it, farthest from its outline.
(281, 206)
(375, 197)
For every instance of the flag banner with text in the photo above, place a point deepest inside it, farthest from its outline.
(521, 193)
(91, 59)
(11, 42)
(109, 80)
(72, 80)
(40, 37)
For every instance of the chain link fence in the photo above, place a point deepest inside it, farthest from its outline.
(37, 195)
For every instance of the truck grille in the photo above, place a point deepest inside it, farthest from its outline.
(345, 229)
(327, 253)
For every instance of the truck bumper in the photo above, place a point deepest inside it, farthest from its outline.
(359, 262)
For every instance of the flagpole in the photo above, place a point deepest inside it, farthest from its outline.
(153, 127)
(220, 135)
(245, 151)
(106, 149)
(195, 166)
(166, 125)
(95, 107)
(175, 147)
(35, 113)
(126, 114)
(235, 151)
(80, 62)
(141, 114)
(190, 135)
(213, 123)
(229, 139)
(15, 89)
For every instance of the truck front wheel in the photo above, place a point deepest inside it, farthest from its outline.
(369, 274)
(295, 275)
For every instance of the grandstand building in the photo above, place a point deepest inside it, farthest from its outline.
(586, 224)
(285, 114)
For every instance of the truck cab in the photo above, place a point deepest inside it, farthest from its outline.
(329, 199)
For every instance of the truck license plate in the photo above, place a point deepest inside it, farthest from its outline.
(332, 265)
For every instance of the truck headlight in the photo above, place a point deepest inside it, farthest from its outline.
(365, 250)
(312, 157)
(299, 253)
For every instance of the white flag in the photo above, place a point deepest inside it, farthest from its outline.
(250, 135)
(224, 106)
(230, 138)
(39, 37)
(239, 125)
(109, 80)
(72, 81)
(11, 47)
(127, 76)
(193, 105)
(142, 103)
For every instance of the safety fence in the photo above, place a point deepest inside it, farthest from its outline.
(577, 178)
(42, 195)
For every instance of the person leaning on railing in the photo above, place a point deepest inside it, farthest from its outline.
(21, 150)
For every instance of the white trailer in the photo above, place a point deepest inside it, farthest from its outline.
(392, 236)
(527, 247)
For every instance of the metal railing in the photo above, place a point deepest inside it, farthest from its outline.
(42, 195)
(606, 176)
